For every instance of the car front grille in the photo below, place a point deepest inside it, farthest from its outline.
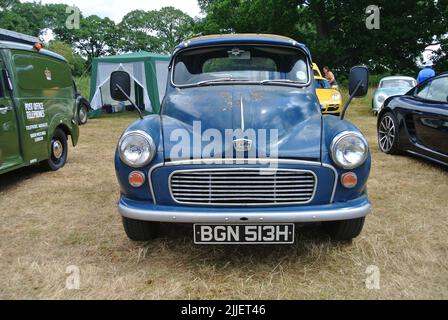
(243, 187)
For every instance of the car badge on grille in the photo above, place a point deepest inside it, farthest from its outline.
(242, 145)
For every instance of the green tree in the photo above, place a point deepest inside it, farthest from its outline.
(137, 29)
(95, 37)
(336, 31)
(157, 30)
(76, 62)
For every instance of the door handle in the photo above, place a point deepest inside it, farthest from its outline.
(5, 110)
(417, 112)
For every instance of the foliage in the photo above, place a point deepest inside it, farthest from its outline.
(335, 30)
(157, 30)
(76, 62)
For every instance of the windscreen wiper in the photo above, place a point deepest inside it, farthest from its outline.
(201, 83)
(281, 81)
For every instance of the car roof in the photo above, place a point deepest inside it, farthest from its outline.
(27, 47)
(398, 78)
(243, 38)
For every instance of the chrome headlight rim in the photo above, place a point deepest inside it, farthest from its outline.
(338, 138)
(151, 146)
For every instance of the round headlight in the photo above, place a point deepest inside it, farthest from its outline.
(335, 96)
(349, 150)
(381, 98)
(136, 148)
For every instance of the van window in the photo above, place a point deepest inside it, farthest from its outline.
(37, 72)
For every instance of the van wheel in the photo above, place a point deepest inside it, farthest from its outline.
(82, 114)
(344, 230)
(58, 151)
(137, 230)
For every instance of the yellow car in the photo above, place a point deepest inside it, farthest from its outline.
(316, 71)
(330, 99)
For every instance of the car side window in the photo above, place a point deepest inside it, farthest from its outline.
(422, 91)
(438, 90)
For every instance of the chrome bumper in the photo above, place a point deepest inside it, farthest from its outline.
(339, 211)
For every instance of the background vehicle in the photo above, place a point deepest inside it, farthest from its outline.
(391, 86)
(316, 71)
(330, 99)
(417, 122)
(82, 107)
(37, 106)
(242, 82)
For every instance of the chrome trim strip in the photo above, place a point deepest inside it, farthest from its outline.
(151, 188)
(267, 170)
(427, 157)
(239, 161)
(212, 216)
(242, 114)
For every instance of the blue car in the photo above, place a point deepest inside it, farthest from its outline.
(240, 148)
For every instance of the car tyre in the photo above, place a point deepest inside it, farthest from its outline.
(344, 230)
(58, 151)
(388, 133)
(82, 114)
(137, 230)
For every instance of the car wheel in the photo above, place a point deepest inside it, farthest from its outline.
(58, 151)
(137, 230)
(82, 114)
(344, 230)
(388, 133)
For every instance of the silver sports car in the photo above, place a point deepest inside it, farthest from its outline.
(391, 86)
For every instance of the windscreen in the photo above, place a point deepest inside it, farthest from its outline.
(242, 64)
(398, 83)
(322, 84)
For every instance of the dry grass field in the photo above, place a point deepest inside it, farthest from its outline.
(51, 220)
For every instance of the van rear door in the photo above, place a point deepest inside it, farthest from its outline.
(10, 154)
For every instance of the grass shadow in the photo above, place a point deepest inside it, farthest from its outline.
(11, 179)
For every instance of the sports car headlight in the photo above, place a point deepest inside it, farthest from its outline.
(349, 150)
(335, 96)
(136, 148)
(381, 98)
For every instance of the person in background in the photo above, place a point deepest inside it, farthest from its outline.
(426, 73)
(329, 76)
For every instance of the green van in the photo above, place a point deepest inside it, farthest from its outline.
(37, 105)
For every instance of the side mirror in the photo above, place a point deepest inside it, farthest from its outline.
(120, 80)
(358, 85)
(358, 82)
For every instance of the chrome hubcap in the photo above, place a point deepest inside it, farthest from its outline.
(386, 134)
(82, 114)
(58, 149)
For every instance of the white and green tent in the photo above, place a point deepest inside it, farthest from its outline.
(148, 71)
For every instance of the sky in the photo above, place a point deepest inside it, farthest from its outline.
(117, 9)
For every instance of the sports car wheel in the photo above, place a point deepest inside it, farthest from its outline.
(388, 134)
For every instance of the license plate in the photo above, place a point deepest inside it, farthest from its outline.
(244, 234)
